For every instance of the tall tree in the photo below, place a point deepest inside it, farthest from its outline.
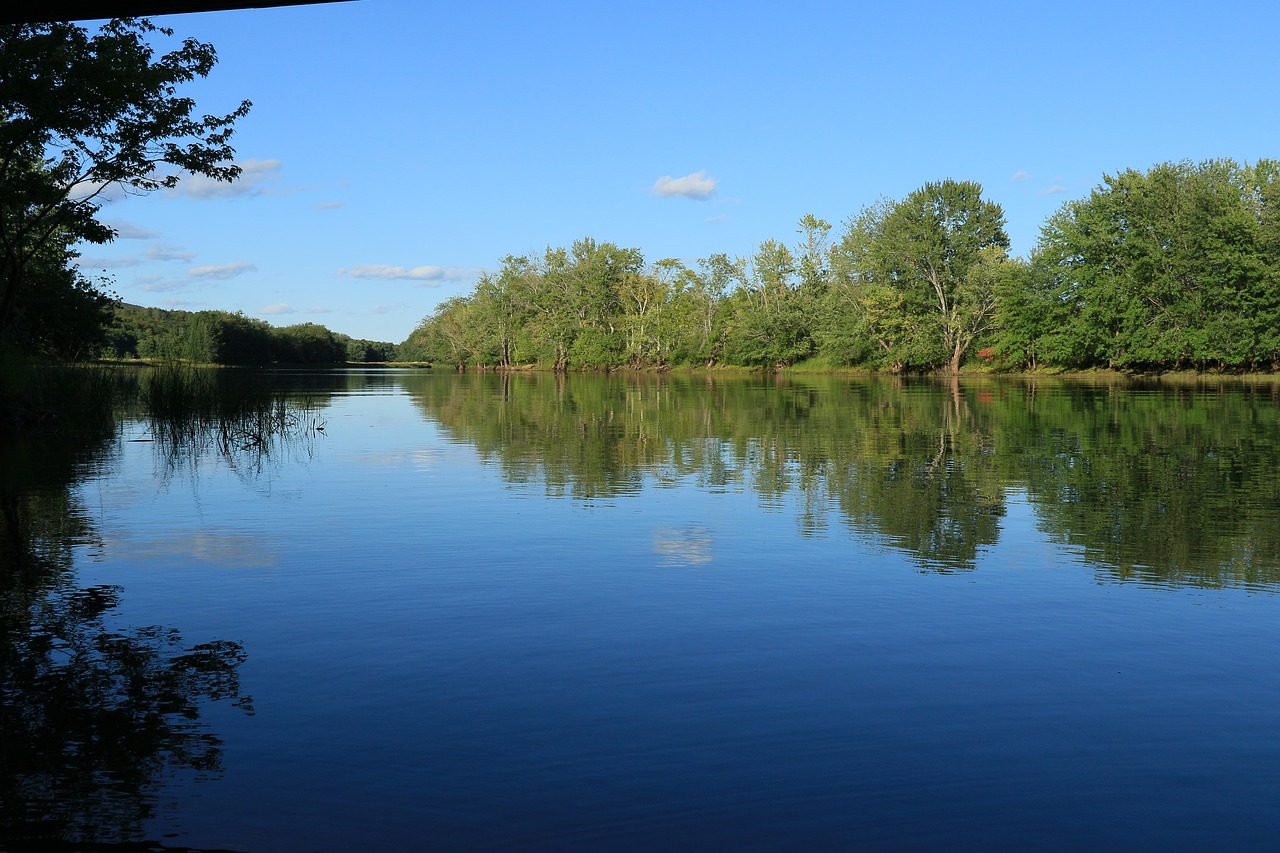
(81, 113)
(923, 271)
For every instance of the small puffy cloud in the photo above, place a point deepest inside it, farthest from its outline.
(254, 176)
(426, 276)
(1021, 175)
(158, 251)
(1053, 190)
(165, 252)
(696, 186)
(221, 272)
(129, 231)
(99, 192)
(279, 308)
(163, 284)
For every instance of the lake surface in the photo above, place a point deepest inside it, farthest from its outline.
(522, 611)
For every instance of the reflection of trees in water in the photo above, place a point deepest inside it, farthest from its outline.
(1170, 487)
(250, 419)
(93, 717)
(1160, 484)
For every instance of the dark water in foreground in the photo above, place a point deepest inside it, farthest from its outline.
(606, 613)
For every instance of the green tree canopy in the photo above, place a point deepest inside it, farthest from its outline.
(1175, 267)
(81, 113)
(921, 271)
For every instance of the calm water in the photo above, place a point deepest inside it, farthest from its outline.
(480, 611)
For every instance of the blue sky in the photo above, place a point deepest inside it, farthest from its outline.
(396, 149)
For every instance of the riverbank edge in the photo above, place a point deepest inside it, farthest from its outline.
(1095, 375)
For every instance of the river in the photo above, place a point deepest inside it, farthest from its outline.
(484, 611)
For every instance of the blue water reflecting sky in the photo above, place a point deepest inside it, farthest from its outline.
(441, 657)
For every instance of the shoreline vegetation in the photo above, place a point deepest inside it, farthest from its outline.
(1176, 270)
(1168, 271)
(1171, 276)
(965, 372)
(1173, 270)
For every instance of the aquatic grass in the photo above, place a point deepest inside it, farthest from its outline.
(179, 391)
(262, 425)
(192, 410)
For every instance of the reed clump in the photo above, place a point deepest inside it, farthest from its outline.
(188, 407)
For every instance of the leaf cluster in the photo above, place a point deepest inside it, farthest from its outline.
(82, 113)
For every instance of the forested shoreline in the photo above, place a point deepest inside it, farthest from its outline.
(1177, 268)
(223, 337)
(1174, 269)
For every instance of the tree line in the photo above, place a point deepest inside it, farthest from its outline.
(1174, 268)
(222, 337)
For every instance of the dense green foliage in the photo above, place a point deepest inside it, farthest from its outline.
(1176, 268)
(220, 337)
(83, 112)
(61, 314)
(922, 272)
(80, 113)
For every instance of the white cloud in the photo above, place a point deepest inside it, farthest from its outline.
(279, 308)
(387, 309)
(1053, 190)
(99, 192)
(221, 271)
(1021, 175)
(426, 276)
(158, 251)
(129, 231)
(696, 186)
(165, 252)
(254, 176)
